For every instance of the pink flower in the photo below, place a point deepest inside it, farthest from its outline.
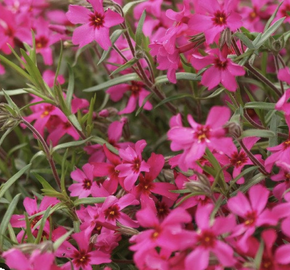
(253, 212)
(38, 260)
(83, 257)
(223, 70)
(132, 164)
(195, 139)
(137, 92)
(166, 234)
(112, 207)
(215, 18)
(206, 239)
(95, 26)
(86, 184)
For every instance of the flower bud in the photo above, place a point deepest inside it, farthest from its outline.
(126, 230)
(233, 129)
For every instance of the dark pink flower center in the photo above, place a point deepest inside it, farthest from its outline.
(287, 176)
(113, 212)
(267, 264)
(135, 88)
(250, 218)
(97, 20)
(35, 220)
(207, 239)
(145, 186)
(81, 258)
(253, 14)
(285, 11)
(238, 159)
(219, 18)
(136, 165)
(47, 110)
(87, 184)
(286, 144)
(202, 134)
(41, 42)
(162, 210)
(9, 32)
(221, 65)
(156, 233)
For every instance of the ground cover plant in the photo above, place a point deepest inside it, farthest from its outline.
(148, 135)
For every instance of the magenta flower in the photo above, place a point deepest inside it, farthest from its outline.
(215, 18)
(83, 257)
(253, 212)
(206, 239)
(167, 234)
(132, 164)
(223, 70)
(138, 93)
(195, 139)
(95, 26)
(147, 186)
(38, 260)
(112, 207)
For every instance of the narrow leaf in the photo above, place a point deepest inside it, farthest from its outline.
(89, 201)
(130, 5)
(260, 105)
(173, 98)
(139, 31)
(258, 133)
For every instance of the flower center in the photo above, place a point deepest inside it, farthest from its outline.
(113, 212)
(97, 20)
(47, 110)
(202, 134)
(34, 221)
(135, 88)
(81, 258)
(251, 218)
(162, 210)
(219, 18)
(207, 239)
(267, 264)
(238, 159)
(145, 186)
(221, 65)
(136, 165)
(87, 184)
(41, 42)
(286, 144)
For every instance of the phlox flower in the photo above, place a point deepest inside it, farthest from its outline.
(31, 207)
(95, 25)
(206, 240)
(15, 259)
(167, 234)
(212, 18)
(85, 185)
(102, 169)
(283, 177)
(147, 186)
(222, 70)
(280, 152)
(137, 93)
(253, 212)
(194, 140)
(152, 7)
(132, 164)
(82, 257)
(111, 210)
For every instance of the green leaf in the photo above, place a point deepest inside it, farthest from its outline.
(254, 181)
(72, 118)
(89, 200)
(3, 137)
(70, 88)
(116, 34)
(44, 183)
(180, 191)
(14, 92)
(188, 196)
(58, 65)
(245, 40)
(115, 81)
(16, 68)
(80, 51)
(6, 219)
(169, 99)
(213, 94)
(139, 31)
(268, 33)
(260, 105)
(179, 76)
(70, 144)
(41, 227)
(258, 133)
(129, 64)
(272, 16)
(244, 172)
(4, 187)
(29, 234)
(131, 4)
(259, 255)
